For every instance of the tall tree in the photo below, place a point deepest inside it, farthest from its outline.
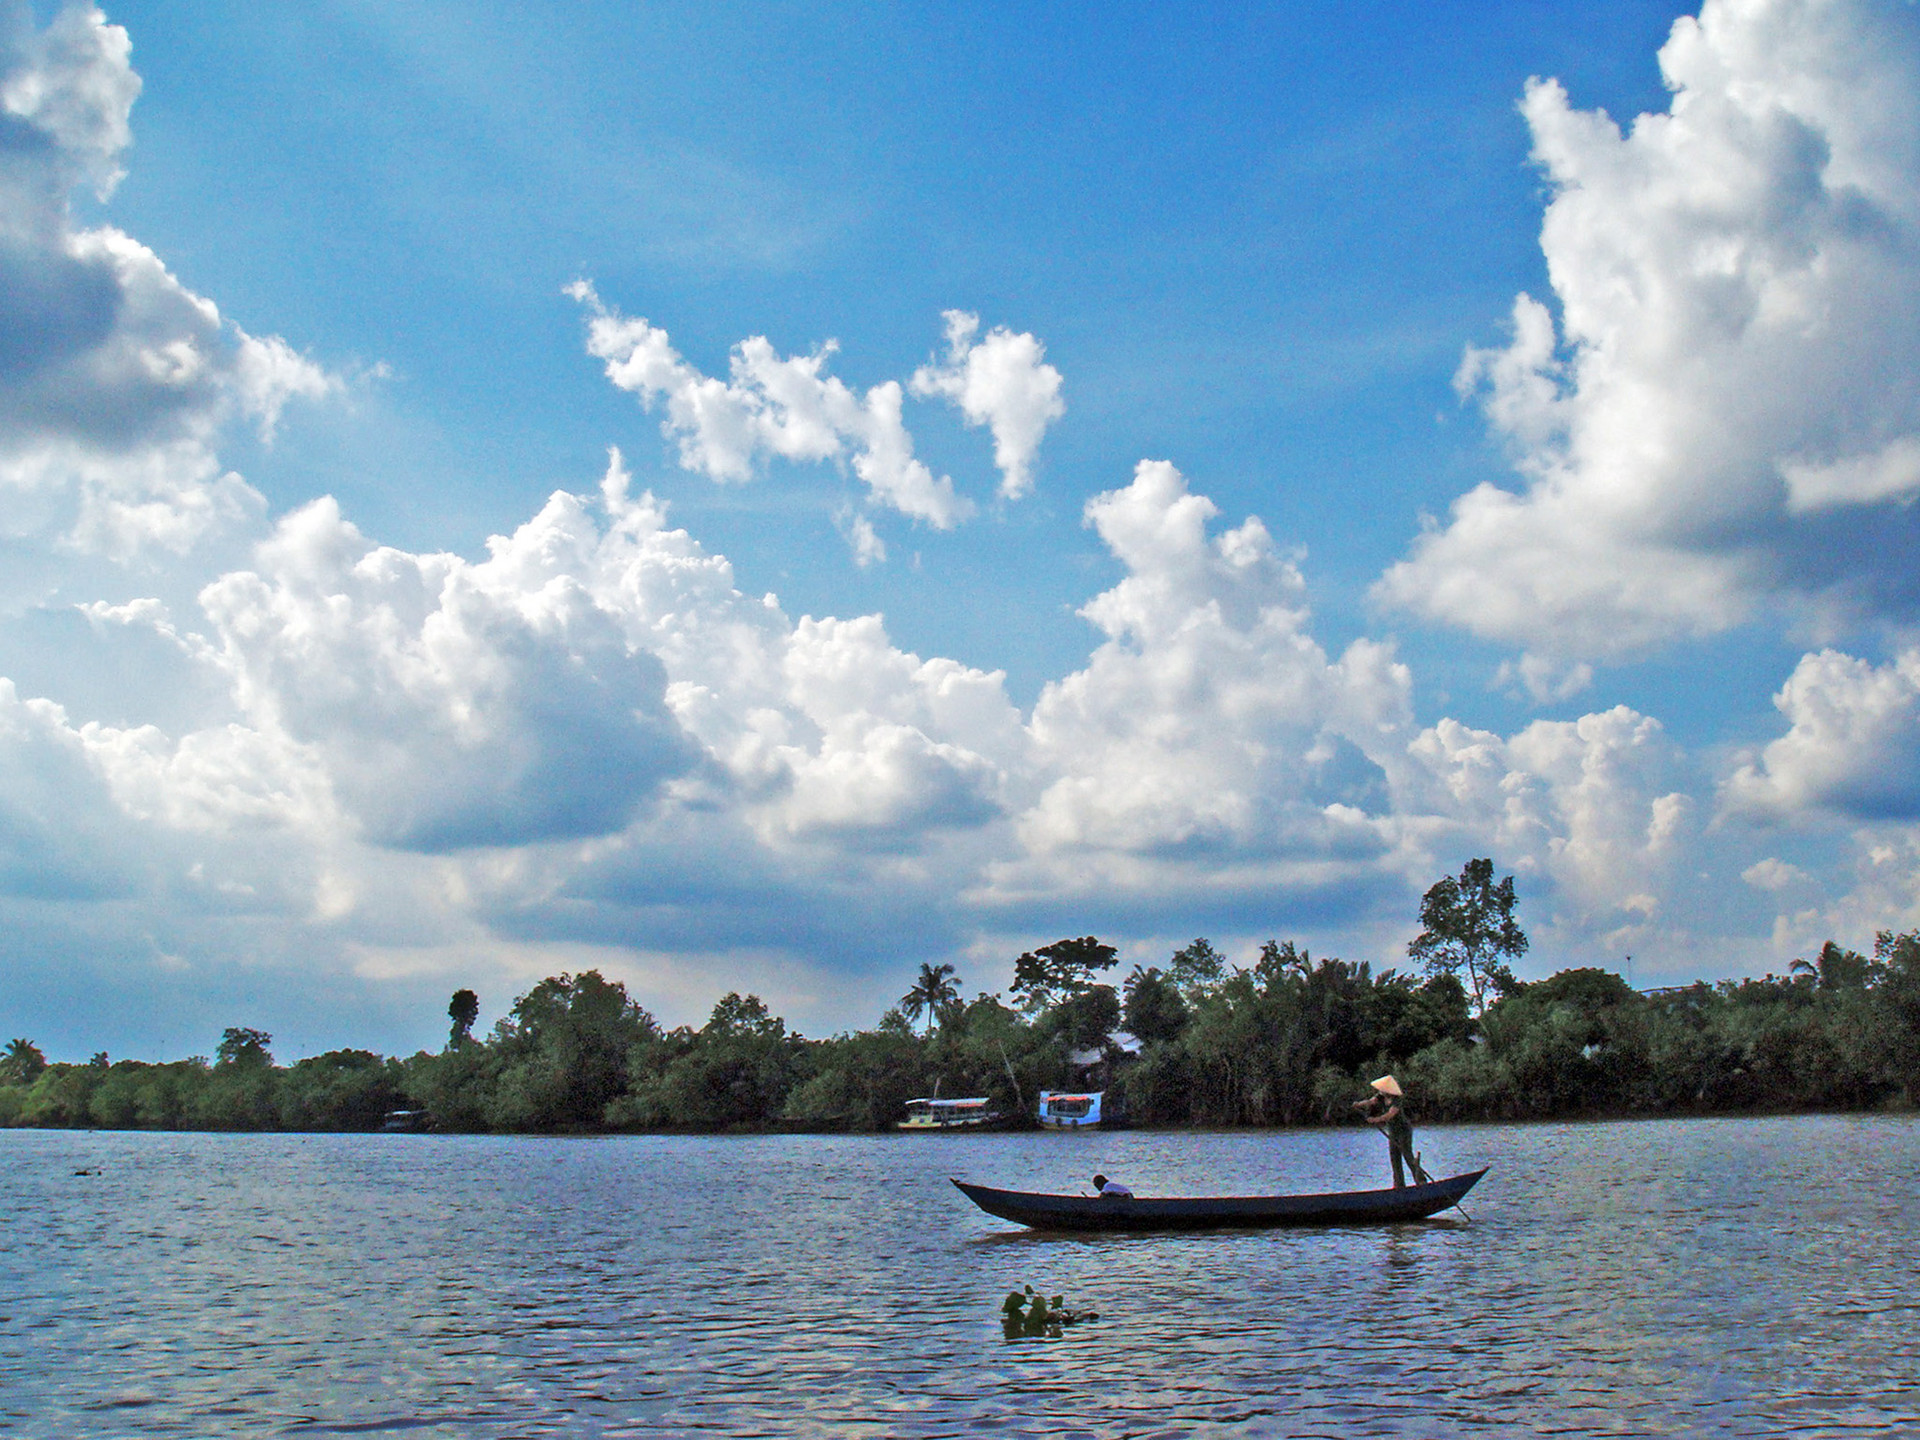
(565, 1049)
(1467, 924)
(243, 1046)
(1153, 1010)
(463, 1010)
(23, 1061)
(1084, 1021)
(1060, 971)
(931, 993)
(1836, 968)
(1897, 996)
(1195, 967)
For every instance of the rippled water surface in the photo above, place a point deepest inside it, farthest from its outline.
(1698, 1277)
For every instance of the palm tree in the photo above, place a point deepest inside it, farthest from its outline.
(22, 1061)
(1837, 968)
(931, 993)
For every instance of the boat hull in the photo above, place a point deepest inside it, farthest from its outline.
(1075, 1110)
(950, 1127)
(1220, 1212)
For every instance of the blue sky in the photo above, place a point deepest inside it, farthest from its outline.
(1608, 582)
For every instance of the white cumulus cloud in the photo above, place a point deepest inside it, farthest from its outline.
(114, 377)
(448, 709)
(1591, 807)
(1852, 747)
(771, 405)
(788, 407)
(1774, 874)
(1002, 382)
(1209, 740)
(1722, 419)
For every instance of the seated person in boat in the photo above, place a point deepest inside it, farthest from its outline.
(1386, 1107)
(1104, 1186)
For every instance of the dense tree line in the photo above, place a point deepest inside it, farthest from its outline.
(1289, 1040)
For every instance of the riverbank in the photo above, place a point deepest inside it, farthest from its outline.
(1287, 1044)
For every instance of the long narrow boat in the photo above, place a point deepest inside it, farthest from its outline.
(1220, 1212)
(970, 1113)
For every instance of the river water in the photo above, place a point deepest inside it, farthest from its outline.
(1717, 1277)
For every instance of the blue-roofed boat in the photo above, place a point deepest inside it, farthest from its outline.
(1074, 1110)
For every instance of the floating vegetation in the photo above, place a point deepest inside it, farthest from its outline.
(1026, 1314)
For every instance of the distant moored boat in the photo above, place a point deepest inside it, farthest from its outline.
(1076, 1110)
(973, 1113)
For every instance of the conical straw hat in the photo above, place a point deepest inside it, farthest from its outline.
(1386, 1085)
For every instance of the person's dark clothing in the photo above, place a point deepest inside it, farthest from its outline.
(1399, 1131)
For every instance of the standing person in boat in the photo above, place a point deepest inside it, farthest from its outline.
(1387, 1108)
(1104, 1186)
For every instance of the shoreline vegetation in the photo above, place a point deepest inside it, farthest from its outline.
(1288, 1041)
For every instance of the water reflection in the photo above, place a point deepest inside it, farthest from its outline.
(1745, 1278)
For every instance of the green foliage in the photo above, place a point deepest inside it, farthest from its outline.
(1259, 1044)
(1084, 1021)
(340, 1090)
(1289, 1040)
(860, 1082)
(1835, 969)
(60, 1095)
(454, 1088)
(1467, 923)
(1897, 996)
(991, 1050)
(932, 994)
(564, 1053)
(22, 1063)
(733, 1073)
(244, 1048)
(1158, 1088)
(895, 1022)
(239, 1092)
(1026, 1314)
(1154, 1011)
(1196, 967)
(1043, 978)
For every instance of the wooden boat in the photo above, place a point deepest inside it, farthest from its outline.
(1220, 1212)
(973, 1112)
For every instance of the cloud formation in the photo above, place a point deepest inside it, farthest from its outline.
(448, 707)
(1591, 808)
(788, 407)
(114, 378)
(1209, 740)
(1722, 418)
(324, 766)
(1002, 382)
(1852, 747)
